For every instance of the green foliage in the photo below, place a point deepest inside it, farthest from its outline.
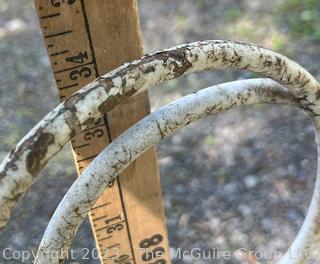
(179, 20)
(279, 44)
(302, 18)
(233, 13)
(209, 140)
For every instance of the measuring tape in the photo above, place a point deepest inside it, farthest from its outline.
(84, 39)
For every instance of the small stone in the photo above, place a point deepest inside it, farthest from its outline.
(166, 161)
(304, 163)
(292, 169)
(250, 181)
(267, 224)
(230, 187)
(238, 237)
(184, 220)
(220, 240)
(214, 223)
(245, 209)
(179, 189)
(19, 239)
(14, 25)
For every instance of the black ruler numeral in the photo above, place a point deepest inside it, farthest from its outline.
(79, 58)
(84, 72)
(152, 250)
(58, 3)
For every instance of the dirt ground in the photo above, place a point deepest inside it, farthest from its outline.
(240, 179)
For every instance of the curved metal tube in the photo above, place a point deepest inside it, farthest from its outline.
(22, 165)
(137, 139)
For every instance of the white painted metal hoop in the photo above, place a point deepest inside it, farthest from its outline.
(152, 129)
(23, 164)
(27, 159)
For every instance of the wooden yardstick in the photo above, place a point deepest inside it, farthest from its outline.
(86, 38)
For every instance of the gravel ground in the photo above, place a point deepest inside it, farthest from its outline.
(241, 179)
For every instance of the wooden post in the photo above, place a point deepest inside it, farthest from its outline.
(84, 39)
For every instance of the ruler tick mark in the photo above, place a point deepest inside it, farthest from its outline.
(72, 68)
(87, 28)
(113, 246)
(101, 205)
(102, 228)
(58, 34)
(50, 16)
(99, 218)
(88, 158)
(68, 86)
(105, 238)
(126, 219)
(81, 146)
(59, 53)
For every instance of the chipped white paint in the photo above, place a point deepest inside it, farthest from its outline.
(137, 139)
(19, 169)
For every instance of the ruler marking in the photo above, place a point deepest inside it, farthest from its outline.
(103, 249)
(99, 206)
(102, 228)
(113, 246)
(81, 146)
(72, 68)
(98, 218)
(87, 28)
(88, 158)
(105, 238)
(68, 86)
(50, 16)
(106, 121)
(59, 53)
(126, 219)
(54, 24)
(58, 34)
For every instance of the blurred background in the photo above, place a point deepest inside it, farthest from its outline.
(240, 179)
